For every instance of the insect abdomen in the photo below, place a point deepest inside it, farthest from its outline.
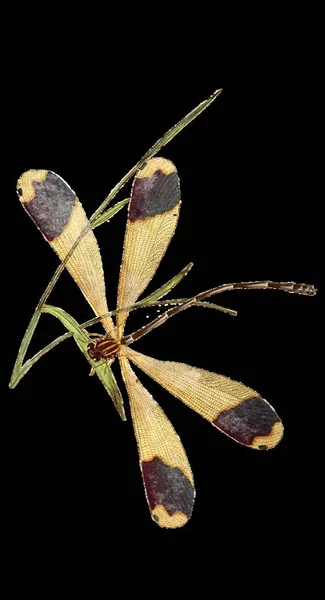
(107, 347)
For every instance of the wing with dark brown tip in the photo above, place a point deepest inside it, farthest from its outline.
(58, 214)
(152, 219)
(166, 472)
(232, 407)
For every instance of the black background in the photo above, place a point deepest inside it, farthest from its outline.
(248, 169)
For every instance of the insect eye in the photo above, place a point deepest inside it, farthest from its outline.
(20, 192)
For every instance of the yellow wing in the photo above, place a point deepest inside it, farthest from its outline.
(152, 219)
(232, 407)
(58, 214)
(166, 472)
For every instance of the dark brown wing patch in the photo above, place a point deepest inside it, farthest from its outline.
(58, 214)
(167, 486)
(154, 195)
(250, 419)
(153, 213)
(232, 407)
(51, 206)
(166, 472)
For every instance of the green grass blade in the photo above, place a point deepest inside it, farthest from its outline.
(97, 219)
(163, 141)
(218, 307)
(164, 289)
(28, 364)
(106, 216)
(81, 338)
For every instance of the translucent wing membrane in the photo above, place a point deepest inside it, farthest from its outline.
(166, 472)
(232, 407)
(152, 218)
(58, 214)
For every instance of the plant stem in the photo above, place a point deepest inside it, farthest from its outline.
(97, 219)
(163, 141)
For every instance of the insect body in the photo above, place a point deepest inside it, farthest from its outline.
(228, 405)
(104, 347)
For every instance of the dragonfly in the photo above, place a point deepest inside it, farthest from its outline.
(230, 406)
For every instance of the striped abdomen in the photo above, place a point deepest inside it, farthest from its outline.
(103, 348)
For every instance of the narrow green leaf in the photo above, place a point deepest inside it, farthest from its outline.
(17, 372)
(163, 141)
(203, 304)
(164, 289)
(28, 364)
(69, 323)
(102, 370)
(106, 216)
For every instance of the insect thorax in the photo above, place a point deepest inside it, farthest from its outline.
(104, 347)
